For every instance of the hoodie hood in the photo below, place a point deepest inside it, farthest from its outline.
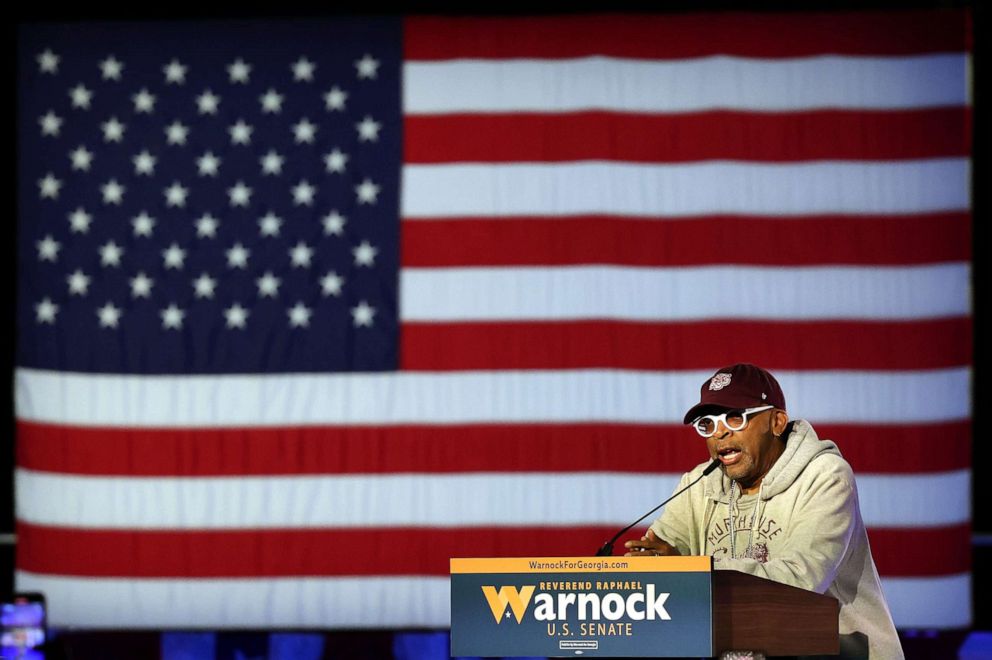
(801, 447)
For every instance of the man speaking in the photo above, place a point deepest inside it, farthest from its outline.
(782, 506)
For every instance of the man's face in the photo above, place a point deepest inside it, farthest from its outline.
(747, 455)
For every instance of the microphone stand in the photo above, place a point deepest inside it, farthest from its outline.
(607, 549)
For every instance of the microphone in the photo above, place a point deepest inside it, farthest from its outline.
(607, 549)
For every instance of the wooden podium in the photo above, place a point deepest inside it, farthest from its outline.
(754, 614)
(631, 607)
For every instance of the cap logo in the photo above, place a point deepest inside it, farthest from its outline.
(719, 381)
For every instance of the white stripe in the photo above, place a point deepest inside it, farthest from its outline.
(877, 397)
(685, 293)
(891, 500)
(708, 83)
(931, 602)
(417, 500)
(260, 603)
(969, 75)
(686, 189)
(941, 602)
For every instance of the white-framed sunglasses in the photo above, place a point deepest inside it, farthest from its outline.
(734, 420)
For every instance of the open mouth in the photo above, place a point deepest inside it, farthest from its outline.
(729, 455)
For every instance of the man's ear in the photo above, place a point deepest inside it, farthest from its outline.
(779, 419)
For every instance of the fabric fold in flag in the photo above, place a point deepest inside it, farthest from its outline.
(291, 293)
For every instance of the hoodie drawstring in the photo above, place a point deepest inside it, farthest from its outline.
(749, 551)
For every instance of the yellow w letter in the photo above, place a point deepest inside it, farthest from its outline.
(517, 600)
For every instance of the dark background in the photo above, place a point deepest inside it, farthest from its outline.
(982, 516)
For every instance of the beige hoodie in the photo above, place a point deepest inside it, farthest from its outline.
(810, 531)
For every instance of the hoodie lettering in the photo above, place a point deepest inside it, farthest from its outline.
(718, 538)
(766, 530)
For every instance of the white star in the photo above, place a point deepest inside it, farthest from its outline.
(204, 286)
(206, 226)
(174, 257)
(239, 71)
(368, 67)
(368, 129)
(175, 195)
(144, 101)
(240, 132)
(141, 286)
(269, 224)
(81, 158)
(335, 98)
(272, 163)
(303, 193)
(176, 133)
(208, 164)
(334, 223)
(175, 73)
(113, 130)
(172, 317)
(362, 315)
(237, 256)
(303, 70)
(207, 103)
(49, 186)
(331, 284)
(50, 124)
(45, 311)
(304, 131)
(48, 62)
(79, 221)
(268, 286)
(81, 97)
(236, 316)
(365, 254)
(79, 283)
(144, 163)
(110, 254)
(111, 68)
(271, 101)
(48, 249)
(300, 255)
(113, 192)
(299, 315)
(367, 192)
(109, 315)
(143, 224)
(239, 195)
(336, 161)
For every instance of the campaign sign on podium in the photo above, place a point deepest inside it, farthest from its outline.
(582, 606)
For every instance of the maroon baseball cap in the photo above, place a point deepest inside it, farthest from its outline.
(737, 387)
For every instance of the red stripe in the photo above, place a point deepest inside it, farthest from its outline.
(763, 241)
(446, 449)
(686, 137)
(880, 449)
(778, 345)
(674, 35)
(922, 551)
(374, 552)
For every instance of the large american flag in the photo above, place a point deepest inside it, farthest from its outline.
(307, 308)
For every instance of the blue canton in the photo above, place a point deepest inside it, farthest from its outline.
(209, 198)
